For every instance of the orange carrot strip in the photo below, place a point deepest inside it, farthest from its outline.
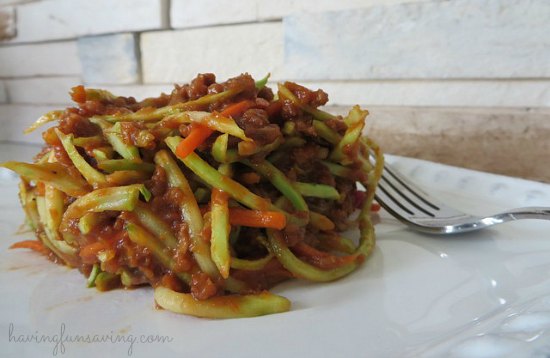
(195, 138)
(237, 108)
(257, 218)
(200, 133)
(31, 244)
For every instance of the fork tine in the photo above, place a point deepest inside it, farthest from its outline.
(400, 196)
(388, 200)
(411, 201)
(413, 189)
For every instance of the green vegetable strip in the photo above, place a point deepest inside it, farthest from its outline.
(261, 83)
(60, 247)
(280, 181)
(93, 275)
(338, 170)
(316, 113)
(337, 243)
(155, 114)
(373, 175)
(221, 153)
(102, 153)
(251, 265)
(219, 148)
(302, 269)
(88, 141)
(95, 178)
(215, 179)
(29, 205)
(50, 173)
(121, 198)
(155, 225)
(89, 221)
(356, 115)
(232, 306)
(112, 165)
(190, 211)
(219, 242)
(113, 135)
(55, 205)
(242, 150)
(106, 281)
(215, 122)
(143, 238)
(352, 135)
(317, 190)
(326, 132)
(48, 117)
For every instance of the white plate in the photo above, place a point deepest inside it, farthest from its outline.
(478, 295)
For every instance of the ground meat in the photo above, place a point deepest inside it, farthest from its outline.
(266, 93)
(202, 286)
(158, 183)
(196, 89)
(307, 96)
(337, 125)
(244, 83)
(256, 126)
(74, 122)
(306, 155)
(289, 110)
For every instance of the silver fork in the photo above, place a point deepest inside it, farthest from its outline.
(422, 212)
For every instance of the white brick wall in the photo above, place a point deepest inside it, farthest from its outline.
(57, 58)
(193, 13)
(423, 60)
(43, 90)
(64, 19)
(139, 92)
(14, 119)
(225, 50)
(7, 22)
(3, 93)
(10, 2)
(451, 39)
(459, 93)
(110, 59)
(268, 9)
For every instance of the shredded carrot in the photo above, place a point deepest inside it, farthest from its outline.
(257, 218)
(237, 108)
(31, 244)
(200, 133)
(195, 138)
(321, 259)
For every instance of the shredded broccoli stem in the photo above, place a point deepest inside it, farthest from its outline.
(232, 306)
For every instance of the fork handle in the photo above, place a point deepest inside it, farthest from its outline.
(530, 212)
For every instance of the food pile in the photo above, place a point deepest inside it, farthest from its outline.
(211, 194)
